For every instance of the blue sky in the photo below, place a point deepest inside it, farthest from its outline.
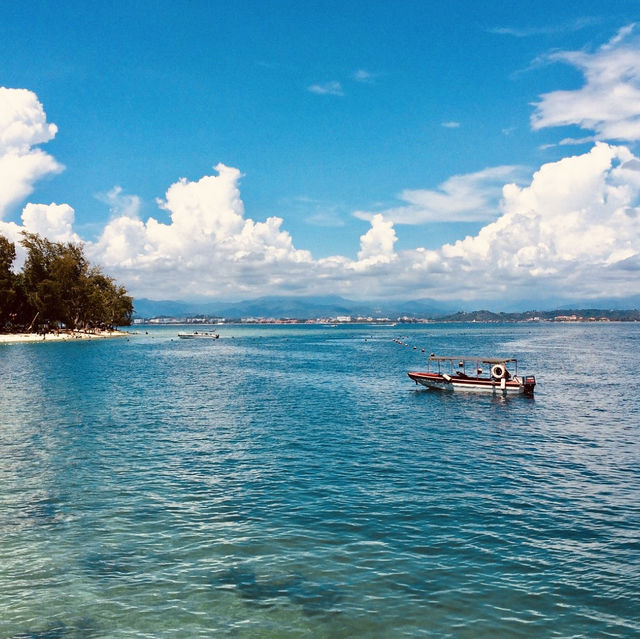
(378, 134)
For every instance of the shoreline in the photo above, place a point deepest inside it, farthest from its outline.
(60, 336)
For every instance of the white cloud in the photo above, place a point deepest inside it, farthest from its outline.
(365, 77)
(328, 88)
(121, 203)
(461, 198)
(19, 172)
(23, 124)
(209, 248)
(572, 231)
(53, 221)
(549, 29)
(609, 101)
(451, 125)
(575, 141)
(376, 245)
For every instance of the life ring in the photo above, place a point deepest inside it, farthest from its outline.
(498, 371)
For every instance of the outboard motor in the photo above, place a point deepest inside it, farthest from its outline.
(529, 383)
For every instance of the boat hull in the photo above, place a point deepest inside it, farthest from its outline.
(475, 384)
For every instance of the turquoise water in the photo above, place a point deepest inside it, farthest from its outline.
(293, 482)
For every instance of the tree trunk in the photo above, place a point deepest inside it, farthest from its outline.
(33, 321)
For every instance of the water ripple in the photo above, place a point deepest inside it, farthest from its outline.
(292, 482)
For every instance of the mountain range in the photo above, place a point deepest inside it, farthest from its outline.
(334, 305)
(291, 307)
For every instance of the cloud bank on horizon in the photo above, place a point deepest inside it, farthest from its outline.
(573, 230)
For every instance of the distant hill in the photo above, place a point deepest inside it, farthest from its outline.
(291, 307)
(555, 303)
(333, 305)
(559, 314)
(159, 308)
(295, 307)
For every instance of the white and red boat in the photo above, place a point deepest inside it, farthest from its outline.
(468, 374)
(196, 335)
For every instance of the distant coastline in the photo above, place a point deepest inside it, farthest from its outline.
(567, 316)
(338, 310)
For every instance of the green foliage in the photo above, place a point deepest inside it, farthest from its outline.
(7, 279)
(58, 287)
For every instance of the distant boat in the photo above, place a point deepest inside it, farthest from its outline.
(198, 335)
(466, 374)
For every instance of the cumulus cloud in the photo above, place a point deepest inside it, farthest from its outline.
(376, 245)
(461, 198)
(571, 229)
(209, 247)
(53, 221)
(609, 102)
(23, 124)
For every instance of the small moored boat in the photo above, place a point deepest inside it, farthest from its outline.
(198, 335)
(467, 373)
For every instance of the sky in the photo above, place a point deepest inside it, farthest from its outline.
(460, 151)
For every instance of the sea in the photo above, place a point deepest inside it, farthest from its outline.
(292, 481)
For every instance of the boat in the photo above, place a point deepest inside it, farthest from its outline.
(198, 335)
(467, 374)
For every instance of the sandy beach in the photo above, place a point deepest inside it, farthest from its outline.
(60, 336)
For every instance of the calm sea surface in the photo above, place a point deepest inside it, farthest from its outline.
(294, 482)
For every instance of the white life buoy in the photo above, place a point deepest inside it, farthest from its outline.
(498, 371)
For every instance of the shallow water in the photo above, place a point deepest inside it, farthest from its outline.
(292, 481)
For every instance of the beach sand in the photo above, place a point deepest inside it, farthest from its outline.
(60, 336)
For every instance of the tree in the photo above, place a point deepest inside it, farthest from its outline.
(7, 281)
(107, 303)
(58, 286)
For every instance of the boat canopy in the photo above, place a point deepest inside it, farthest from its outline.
(471, 358)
